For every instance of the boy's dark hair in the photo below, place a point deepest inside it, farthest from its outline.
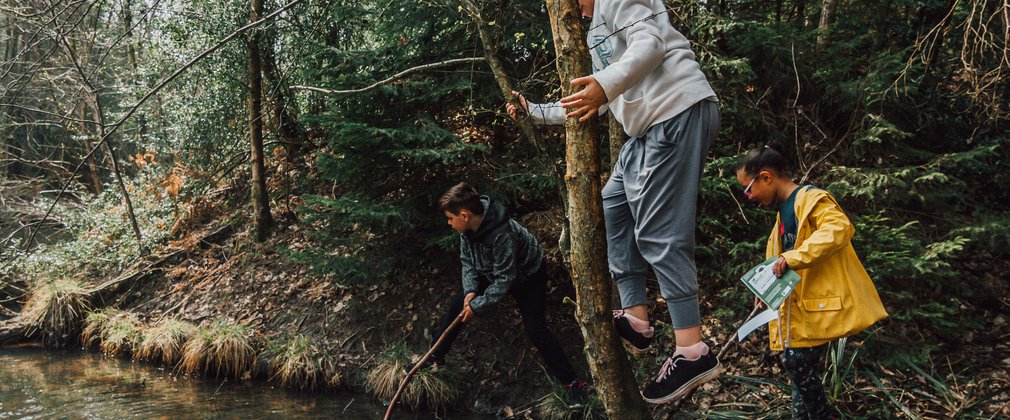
(764, 158)
(461, 197)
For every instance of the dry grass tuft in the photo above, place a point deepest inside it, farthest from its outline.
(56, 308)
(93, 325)
(121, 333)
(164, 341)
(115, 331)
(301, 364)
(224, 346)
(555, 406)
(435, 388)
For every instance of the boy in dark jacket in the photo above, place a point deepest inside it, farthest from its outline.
(499, 257)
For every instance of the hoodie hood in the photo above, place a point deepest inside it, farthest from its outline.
(494, 221)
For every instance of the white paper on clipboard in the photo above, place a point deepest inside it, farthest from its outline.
(762, 318)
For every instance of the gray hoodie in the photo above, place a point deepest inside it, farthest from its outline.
(646, 67)
(501, 252)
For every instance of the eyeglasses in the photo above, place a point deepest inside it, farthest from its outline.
(746, 191)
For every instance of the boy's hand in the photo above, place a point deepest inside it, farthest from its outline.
(780, 266)
(512, 108)
(467, 313)
(468, 298)
(586, 102)
(758, 304)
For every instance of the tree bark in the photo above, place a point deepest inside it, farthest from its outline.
(616, 137)
(612, 374)
(524, 120)
(260, 197)
(828, 8)
(284, 110)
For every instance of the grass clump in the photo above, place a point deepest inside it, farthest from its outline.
(56, 308)
(224, 346)
(116, 331)
(300, 363)
(164, 341)
(436, 388)
(556, 406)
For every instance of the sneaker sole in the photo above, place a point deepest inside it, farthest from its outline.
(688, 387)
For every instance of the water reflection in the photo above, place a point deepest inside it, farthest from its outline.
(37, 384)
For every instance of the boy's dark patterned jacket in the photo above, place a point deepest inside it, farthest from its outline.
(500, 254)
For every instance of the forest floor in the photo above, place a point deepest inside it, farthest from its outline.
(233, 277)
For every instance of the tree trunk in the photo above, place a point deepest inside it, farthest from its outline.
(260, 197)
(525, 122)
(284, 110)
(612, 374)
(617, 139)
(827, 19)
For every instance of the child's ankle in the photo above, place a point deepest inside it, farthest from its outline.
(692, 352)
(639, 325)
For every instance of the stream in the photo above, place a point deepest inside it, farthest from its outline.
(74, 384)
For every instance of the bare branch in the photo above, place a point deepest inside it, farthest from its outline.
(396, 76)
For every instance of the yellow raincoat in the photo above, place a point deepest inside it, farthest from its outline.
(835, 297)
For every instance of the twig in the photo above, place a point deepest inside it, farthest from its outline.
(218, 388)
(392, 78)
(403, 384)
(732, 338)
(738, 205)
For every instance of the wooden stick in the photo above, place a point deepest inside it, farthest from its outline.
(732, 338)
(403, 384)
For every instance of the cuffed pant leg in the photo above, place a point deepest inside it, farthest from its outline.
(661, 179)
(627, 267)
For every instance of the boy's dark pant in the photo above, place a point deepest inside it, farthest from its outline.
(531, 297)
(803, 366)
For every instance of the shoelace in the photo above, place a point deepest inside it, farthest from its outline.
(618, 313)
(667, 368)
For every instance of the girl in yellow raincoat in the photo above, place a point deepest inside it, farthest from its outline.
(835, 297)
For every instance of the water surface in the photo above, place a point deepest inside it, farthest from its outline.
(73, 384)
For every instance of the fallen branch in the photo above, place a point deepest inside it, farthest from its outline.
(396, 76)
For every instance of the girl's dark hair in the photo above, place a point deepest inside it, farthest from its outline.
(764, 158)
(461, 197)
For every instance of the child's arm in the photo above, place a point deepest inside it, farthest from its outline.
(502, 277)
(469, 273)
(646, 48)
(834, 231)
(551, 113)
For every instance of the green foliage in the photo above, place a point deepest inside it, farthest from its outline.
(101, 238)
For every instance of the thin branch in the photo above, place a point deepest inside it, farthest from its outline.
(396, 76)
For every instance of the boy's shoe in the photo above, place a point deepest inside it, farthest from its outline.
(679, 376)
(624, 329)
(576, 392)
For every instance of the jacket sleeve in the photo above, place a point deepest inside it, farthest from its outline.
(553, 113)
(469, 272)
(547, 114)
(834, 231)
(646, 49)
(503, 274)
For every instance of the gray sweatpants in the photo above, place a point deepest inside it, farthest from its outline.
(649, 205)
